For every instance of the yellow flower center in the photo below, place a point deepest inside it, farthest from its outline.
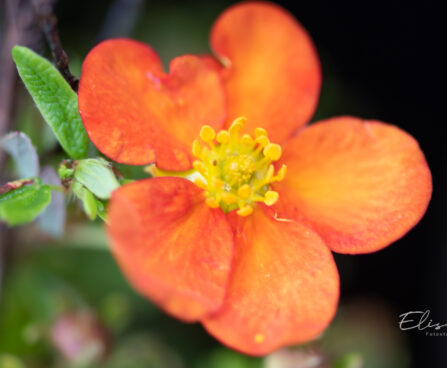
(236, 170)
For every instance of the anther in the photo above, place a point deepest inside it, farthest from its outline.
(207, 133)
(200, 167)
(200, 183)
(245, 211)
(262, 140)
(260, 132)
(223, 137)
(244, 191)
(196, 148)
(273, 151)
(271, 197)
(281, 173)
(211, 201)
(269, 174)
(217, 183)
(237, 125)
(237, 169)
(247, 140)
(228, 198)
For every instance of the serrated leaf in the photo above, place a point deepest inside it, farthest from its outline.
(22, 203)
(19, 146)
(97, 176)
(52, 219)
(56, 101)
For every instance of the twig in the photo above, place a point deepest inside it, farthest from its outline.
(48, 23)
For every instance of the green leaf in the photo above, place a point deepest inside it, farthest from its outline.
(56, 101)
(87, 198)
(19, 146)
(97, 176)
(22, 201)
(10, 361)
(351, 360)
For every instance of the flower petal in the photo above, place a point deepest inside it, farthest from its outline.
(274, 72)
(284, 287)
(172, 247)
(136, 114)
(360, 184)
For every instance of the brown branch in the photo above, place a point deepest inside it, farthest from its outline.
(17, 19)
(17, 22)
(48, 23)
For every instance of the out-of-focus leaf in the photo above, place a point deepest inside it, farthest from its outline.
(19, 146)
(115, 311)
(223, 358)
(87, 235)
(87, 198)
(10, 361)
(352, 360)
(57, 102)
(52, 219)
(297, 357)
(143, 351)
(23, 203)
(97, 176)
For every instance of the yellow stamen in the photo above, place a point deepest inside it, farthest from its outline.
(228, 198)
(269, 175)
(245, 211)
(223, 137)
(200, 167)
(217, 183)
(271, 197)
(211, 201)
(236, 126)
(200, 183)
(281, 173)
(259, 132)
(196, 148)
(236, 171)
(247, 140)
(273, 151)
(244, 191)
(262, 140)
(207, 133)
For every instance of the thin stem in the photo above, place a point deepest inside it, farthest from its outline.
(56, 188)
(48, 23)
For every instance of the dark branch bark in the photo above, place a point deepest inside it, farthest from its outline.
(48, 23)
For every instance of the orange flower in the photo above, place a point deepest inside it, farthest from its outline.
(245, 247)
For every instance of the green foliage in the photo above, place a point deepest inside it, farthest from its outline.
(87, 198)
(352, 360)
(19, 146)
(57, 102)
(10, 361)
(97, 176)
(223, 358)
(23, 201)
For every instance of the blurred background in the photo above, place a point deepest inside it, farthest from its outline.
(63, 301)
